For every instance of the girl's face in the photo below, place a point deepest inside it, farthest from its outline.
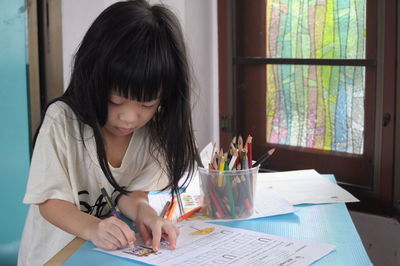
(125, 115)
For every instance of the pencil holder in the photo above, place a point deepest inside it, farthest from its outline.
(228, 194)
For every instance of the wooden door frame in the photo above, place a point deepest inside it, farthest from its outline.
(33, 67)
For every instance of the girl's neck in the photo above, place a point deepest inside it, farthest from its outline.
(116, 147)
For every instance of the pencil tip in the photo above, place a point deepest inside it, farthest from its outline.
(271, 151)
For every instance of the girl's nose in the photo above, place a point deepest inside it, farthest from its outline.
(129, 115)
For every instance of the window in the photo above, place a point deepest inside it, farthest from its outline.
(306, 78)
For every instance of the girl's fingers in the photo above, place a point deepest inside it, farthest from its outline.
(128, 233)
(156, 231)
(170, 233)
(110, 242)
(145, 233)
(119, 232)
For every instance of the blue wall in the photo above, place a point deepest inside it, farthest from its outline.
(14, 133)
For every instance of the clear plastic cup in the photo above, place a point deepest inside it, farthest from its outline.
(228, 194)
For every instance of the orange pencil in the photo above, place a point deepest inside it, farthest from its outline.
(171, 211)
(165, 209)
(188, 214)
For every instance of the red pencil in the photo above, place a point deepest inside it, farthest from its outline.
(249, 143)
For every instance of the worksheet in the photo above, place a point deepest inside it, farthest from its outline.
(202, 243)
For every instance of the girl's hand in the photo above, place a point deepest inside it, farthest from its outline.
(152, 228)
(112, 233)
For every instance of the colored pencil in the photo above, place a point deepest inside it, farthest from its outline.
(112, 208)
(249, 143)
(228, 182)
(171, 210)
(165, 208)
(108, 201)
(221, 168)
(264, 157)
(189, 214)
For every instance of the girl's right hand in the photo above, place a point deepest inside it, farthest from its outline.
(112, 233)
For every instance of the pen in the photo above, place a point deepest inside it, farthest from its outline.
(112, 208)
(189, 214)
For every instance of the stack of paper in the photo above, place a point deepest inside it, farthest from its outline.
(304, 186)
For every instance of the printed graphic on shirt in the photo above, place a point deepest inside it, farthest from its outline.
(98, 209)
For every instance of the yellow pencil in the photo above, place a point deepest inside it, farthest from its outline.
(221, 168)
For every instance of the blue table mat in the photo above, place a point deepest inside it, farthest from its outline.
(321, 223)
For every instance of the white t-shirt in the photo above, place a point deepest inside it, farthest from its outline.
(64, 168)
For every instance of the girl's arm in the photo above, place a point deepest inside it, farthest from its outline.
(135, 205)
(110, 233)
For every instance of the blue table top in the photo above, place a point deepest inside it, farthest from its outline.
(323, 223)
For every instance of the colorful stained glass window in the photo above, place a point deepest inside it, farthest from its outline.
(316, 106)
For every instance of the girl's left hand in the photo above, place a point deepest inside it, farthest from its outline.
(152, 228)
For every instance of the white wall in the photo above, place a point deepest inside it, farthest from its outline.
(199, 23)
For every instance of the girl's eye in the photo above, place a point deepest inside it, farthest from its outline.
(149, 106)
(113, 103)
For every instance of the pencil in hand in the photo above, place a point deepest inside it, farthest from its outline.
(108, 201)
(113, 209)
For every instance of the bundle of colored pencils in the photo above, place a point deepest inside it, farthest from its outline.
(228, 184)
(238, 157)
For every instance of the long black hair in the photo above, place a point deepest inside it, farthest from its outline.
(138, 51)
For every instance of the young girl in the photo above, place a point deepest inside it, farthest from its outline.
(124, 122)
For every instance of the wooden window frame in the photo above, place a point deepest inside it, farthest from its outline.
(377, 195)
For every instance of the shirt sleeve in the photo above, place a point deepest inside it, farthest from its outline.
(48, 174)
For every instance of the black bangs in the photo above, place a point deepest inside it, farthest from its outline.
(137, 51)
(142, 65)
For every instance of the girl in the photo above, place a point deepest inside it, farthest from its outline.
(124, 122)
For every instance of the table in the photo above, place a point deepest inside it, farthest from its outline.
(324, 223)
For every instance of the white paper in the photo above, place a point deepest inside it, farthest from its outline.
(304, 186)
(233, 246)
(268, 203)
(206, 154)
